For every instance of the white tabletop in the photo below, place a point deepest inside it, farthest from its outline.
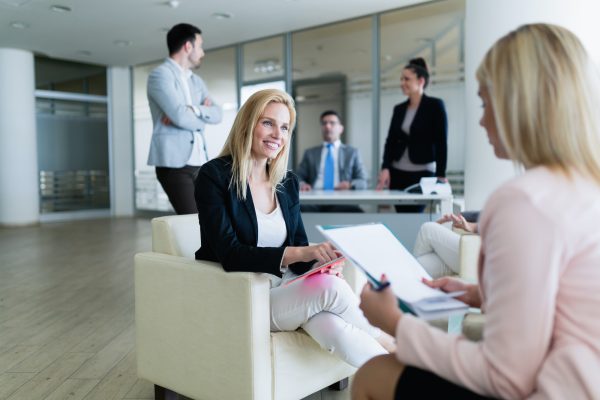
(367, 196)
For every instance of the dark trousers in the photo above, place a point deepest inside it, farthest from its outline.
(427, 385)
(178, 184)
(400, 180)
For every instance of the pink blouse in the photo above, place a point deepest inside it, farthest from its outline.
(539, 275)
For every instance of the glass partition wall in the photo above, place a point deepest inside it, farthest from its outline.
(434, 32)
(72, 138)
(351, 66)
(331, 70)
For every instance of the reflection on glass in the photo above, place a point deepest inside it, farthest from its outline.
(67, 76)
(332, 71)
(263, 59)
(249, 90)
(72, 140)
(432, 31)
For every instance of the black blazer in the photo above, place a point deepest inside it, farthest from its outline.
(428, 138)
(228, 225)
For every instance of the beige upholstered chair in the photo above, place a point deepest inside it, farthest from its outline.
(205, 333)
(468, 254)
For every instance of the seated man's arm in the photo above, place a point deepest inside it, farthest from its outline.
(302, 172)
(359, 172)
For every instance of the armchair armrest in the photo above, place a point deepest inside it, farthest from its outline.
(472, 326)
(198, 326)
(468, 254)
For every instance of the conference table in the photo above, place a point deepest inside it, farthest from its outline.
(404, 225)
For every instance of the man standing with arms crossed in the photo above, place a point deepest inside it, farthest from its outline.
(180, 106)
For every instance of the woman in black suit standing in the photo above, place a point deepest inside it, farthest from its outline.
(416, 145)
(249, 213)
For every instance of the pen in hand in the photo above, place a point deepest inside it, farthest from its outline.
(382, 286)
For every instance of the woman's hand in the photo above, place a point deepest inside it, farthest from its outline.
(335, 270)
(321, 253)
(383, 181)
(380, 307)
(458, 221)
(448, 284)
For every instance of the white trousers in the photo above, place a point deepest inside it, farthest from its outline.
(327, 309)
(436, 249)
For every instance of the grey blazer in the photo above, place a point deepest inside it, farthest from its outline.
(350, 166)
(171, 145)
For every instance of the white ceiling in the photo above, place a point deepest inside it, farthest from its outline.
(89, 32)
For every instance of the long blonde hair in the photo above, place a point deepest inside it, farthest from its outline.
(239, 141)
(545, 93)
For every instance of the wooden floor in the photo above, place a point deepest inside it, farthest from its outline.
(67, 312)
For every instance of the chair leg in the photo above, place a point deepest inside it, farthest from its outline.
(339, 385)
(161, 393)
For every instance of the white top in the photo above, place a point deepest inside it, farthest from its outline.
(198, 155)
(336, 173)
(272, 231)
(404, 162)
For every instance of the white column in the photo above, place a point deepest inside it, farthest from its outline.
(19, 198)
(485, 22)
(121, 141)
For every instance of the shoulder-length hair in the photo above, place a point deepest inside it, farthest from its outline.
(545, 93)
(239, 141)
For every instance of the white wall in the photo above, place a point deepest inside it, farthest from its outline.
(121, 140)
(19, 198)
(485, 22)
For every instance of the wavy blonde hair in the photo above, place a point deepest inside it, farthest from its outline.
(545, 93)
(239, 141)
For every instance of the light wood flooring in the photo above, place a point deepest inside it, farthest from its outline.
(67, 312)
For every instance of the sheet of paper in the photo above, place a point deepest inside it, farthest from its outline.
(375, 248)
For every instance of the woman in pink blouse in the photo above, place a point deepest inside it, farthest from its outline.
(539, 267)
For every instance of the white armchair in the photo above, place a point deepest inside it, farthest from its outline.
(468, 254)
(205, 333)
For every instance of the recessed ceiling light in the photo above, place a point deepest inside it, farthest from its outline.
(19, 25)
(222, 15)
(122, 43)
(60, 9)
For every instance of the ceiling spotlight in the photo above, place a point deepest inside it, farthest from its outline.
(122, 43)
(19, 25)
(173, 3)
(222, 15)
(60, 9)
